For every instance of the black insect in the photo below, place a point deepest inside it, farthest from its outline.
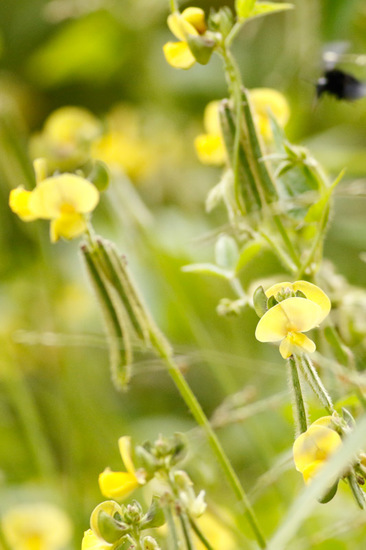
(341, 85)
(337, 82)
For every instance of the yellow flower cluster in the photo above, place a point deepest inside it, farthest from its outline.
(315, 446)
(191, 22)
(65, 200)
(286, 321)
(210, 146)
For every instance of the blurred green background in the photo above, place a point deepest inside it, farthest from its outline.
(60, 416)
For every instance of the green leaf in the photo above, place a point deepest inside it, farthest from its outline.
(208, 269)
(226, 252)
(260, 301)
(244, 7)
(265, 8)
(315, 211)
(247, 253)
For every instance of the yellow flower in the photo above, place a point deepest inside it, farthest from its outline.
(210, 146)
(190, 22)
(36, 526)
(64, 199)
(314, 447)
(264, 100)
(19, 203)
(66, 138)
(121, 484)
(293, 315)
(92, 542)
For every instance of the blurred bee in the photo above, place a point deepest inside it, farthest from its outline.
(335, 81)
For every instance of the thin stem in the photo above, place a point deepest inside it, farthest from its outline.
(173, 5)
(29, 417)
(185, 528)
(307, 368)
(356, 491)
(199, 534)
(202, 420)
(287, 241)
(233, 33)
(172, 528)
(317, 242)
(237, 287)
(286, 261)
(298, 400)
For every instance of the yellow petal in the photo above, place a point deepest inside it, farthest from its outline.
(315, 294)
(311, 471)
(291, 315)
(295, 342)
(178, 55)
(124, 445)
(318, 443)
(180, 26)
(92, 542)
(19, 200)
(71, 126)
(117, 484)
(211, 118)
(67, 226)
(196, 18)
(326, 421)
(210, 149)
(265, 100)
(52, 195)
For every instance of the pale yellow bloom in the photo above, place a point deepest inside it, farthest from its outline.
(64, 200)
(36, 526)
(66, 138)
(120, 484)
(286, 321)
(92, 542)
(265, 100)
(190, 22)
(314, 447)
(210, 146)
(69, 126)
(19, 203)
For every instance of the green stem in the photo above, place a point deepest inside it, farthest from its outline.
(356, 491)
(233, 33)
(287, 241)
(202, 420)
(172, 528)
(317, 242)
(186, 533)
(237, 288)
(28, 415)
(307, 368)
(298, 400)
(285, 260)
(199, 534)
(173, 5)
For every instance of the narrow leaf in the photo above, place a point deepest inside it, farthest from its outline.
(247, 253)
(265, 8)
(208, 269)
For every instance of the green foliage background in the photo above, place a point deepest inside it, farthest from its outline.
(54, 365)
